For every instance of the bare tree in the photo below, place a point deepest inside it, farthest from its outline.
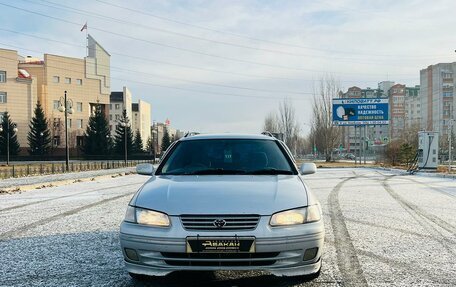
(325, 134)
(271, 123)
(288, 123)
(284, 122)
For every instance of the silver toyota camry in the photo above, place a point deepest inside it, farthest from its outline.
(224, 202)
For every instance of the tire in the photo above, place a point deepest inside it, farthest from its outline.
(138, 277)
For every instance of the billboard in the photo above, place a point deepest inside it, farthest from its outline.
(350, 112)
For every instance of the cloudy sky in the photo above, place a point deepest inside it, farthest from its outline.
(221, 66)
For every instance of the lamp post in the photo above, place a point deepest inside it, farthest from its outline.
(42, 147)
(314, 146)
(66, 107)
(125, 125)
(450, 135)
(8, 140)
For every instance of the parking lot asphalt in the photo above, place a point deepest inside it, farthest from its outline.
(382, 229)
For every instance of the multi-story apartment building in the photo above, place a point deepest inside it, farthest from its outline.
(437, 97)
(412, 107)
(141, 120)
(385, 86)
(138, 113)
(119, 101)
(86, 81)
(18, 93)
(396, 111)
(158, 130)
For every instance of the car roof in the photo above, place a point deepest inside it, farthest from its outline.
(227, 136)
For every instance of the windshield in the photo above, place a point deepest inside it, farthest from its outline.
(226, 156)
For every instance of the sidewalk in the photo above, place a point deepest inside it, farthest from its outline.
(45, 179)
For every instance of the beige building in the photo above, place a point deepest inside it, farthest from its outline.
(87, 82)
(412, 107)
(119, 101)
(141, 114)
(18, 94)
(138, 113)
(157, 132)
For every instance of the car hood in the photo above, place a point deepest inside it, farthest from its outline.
(222, 194)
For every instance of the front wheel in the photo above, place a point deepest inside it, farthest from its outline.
(138, 277)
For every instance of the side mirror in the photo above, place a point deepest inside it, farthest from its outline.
(145, 169)
(308, 168)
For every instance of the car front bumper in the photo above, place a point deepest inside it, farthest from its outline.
(280, 251)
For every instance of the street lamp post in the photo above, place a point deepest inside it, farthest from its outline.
(66, 107)
(450, 135)
(8, 140)
(42, 145)
(125, 126)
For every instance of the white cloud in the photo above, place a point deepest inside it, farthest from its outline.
(388, 39)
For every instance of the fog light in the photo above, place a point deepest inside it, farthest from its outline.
(131, 254)
(310, 253)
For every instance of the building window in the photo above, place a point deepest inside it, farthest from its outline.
(56, 104)
(447, 75)
(110, 106)
(56, 123)
(79, 82)
(80, 141)
(79, 107)
(2, 97)
(117, 106)
(79, 123)
(110, 117)
(117, 117)
(67, 80)
(56, 140)
(56, 79)
(2, 76)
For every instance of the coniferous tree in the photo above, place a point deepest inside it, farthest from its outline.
(166, 141)
(7, 131)
(138, 144)
(150, 146)
(97, 135)
(119, 137)
(39, 136)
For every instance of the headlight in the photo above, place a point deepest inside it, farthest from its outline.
(296, 216)
(146, 217)
(130, 214)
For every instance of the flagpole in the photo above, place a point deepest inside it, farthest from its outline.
(87, 37)
(87, 40)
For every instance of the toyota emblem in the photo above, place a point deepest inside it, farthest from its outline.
(219, 223)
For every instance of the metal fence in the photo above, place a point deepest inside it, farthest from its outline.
(43, 168)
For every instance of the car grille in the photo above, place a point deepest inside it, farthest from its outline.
(233, 222)
(220, 259)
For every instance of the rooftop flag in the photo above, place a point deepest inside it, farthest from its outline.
(84, 27)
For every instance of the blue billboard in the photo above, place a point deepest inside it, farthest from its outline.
(351, 112)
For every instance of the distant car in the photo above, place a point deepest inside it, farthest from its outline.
(224, 202)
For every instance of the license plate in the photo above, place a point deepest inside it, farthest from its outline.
(220, 244)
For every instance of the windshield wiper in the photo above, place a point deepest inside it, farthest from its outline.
(216, 171)
(269, 171)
